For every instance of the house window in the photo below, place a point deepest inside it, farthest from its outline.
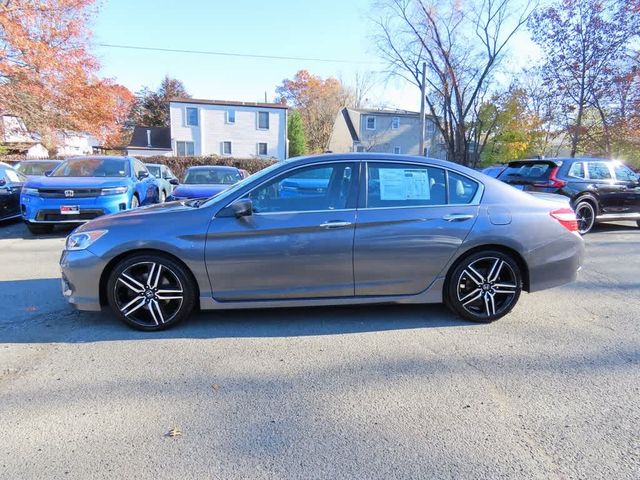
(226, 148)
(371, 123)
(192, 117)
(431, 127)
(395, 123)
(263, 120)
(262, 149)
(231, 116)
(185, 149)
(396, 150)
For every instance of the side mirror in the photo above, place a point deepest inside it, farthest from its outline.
(47, 173)
(239, 208)
(3, 182)
(142, 175)
(174, 181)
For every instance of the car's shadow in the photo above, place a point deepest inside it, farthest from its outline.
(17, 230)
(42, 316)
(614, 227)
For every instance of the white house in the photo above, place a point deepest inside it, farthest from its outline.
(15, 138)
(73, 143)
(234, 129)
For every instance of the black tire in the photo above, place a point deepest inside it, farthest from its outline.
(136, 296)
(39, 228)
(135, 201)
(586, 214)
(484, 286)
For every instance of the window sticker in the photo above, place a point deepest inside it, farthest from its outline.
(12, 176)
(404, 184)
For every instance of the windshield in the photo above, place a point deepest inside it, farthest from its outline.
(154, 170)
(202, 176)
(93, 167)
(36, 168)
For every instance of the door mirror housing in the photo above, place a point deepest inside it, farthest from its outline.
(3, 182)
(48, 172)
(239, 208)
(143, 175)
(174, 181)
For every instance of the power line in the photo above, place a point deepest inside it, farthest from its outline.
(232, 54)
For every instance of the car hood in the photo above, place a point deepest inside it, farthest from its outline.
(199, 191)
(136, 215)
(74, 182)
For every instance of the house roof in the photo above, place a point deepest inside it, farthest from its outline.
(160, 138)
(349, 121)
(227, 103)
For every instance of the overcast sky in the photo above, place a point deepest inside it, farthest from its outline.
(328, 29)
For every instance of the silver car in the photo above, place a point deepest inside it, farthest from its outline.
(338, 229)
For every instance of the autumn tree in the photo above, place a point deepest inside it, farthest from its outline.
(462, 45)
(318, 100)
(295, 133)
(47, 75)
(585, 43)
(151, 107)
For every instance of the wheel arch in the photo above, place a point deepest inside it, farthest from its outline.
(590, 198)
(520, 261)
(104, 277)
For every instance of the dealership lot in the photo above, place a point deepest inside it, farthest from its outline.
(550, 391)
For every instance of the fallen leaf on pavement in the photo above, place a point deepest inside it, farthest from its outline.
(174, 432)
(215, 386)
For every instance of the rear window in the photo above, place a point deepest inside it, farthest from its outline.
(531, 170)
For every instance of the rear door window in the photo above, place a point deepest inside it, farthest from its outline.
(598, 171)
(405, 185)
(462, 190)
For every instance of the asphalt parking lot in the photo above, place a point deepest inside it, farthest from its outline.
(550, 391)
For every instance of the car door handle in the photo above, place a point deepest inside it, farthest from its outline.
(335, 224)
(457, 217)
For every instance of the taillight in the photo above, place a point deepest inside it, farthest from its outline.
(553, 181)
(566, 217)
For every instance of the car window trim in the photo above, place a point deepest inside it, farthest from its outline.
(475, 201)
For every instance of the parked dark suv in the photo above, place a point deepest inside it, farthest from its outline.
(600, 190)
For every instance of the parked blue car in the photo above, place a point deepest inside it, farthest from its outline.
(205, 181)
(166, 179)
(83, 188)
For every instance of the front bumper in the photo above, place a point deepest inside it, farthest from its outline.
(81, 271)
(36, 209)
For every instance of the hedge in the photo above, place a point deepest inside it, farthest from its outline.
(179, 164)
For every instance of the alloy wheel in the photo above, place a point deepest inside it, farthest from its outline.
(487, 287)
(148, 294)
(585, 215)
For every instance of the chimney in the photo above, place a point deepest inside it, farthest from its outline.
(148, 138)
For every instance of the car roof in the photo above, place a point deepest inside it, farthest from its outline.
(98, 157)
(41, 160)
(212, 167)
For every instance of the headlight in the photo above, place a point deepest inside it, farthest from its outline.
(82, 240)
(30, 191)
(114, 191)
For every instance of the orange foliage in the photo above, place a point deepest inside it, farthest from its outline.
(47, 75)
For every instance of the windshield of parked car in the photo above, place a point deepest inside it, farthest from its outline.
(202, 176)
(36, 168)
(93, 167)
(154, 170)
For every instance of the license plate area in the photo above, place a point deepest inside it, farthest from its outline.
(70, 210)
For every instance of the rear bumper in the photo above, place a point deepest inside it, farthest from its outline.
(37, 209)
(81, 271)
(557, 263)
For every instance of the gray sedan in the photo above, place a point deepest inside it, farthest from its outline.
(327, 230)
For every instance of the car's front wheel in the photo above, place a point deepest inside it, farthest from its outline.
(151, 292)
(40, 228)
(484, 286)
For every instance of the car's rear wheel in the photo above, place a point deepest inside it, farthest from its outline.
(40, 228)
(484, 286)
(151, 292)
(586, 215)
(135, 202)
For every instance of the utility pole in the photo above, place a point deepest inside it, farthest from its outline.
(423, 90)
